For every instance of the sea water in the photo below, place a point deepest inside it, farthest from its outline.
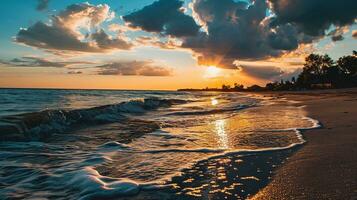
(103, 144)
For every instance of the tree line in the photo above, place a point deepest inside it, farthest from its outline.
(319, 72)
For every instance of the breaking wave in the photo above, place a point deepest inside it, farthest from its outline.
(41, 125)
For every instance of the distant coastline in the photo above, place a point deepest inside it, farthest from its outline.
(319, 72)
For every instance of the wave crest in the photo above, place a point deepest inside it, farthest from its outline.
(41, 125)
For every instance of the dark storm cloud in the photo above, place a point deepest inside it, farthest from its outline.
(240, 30)
(63, 35)
(313, 17)
(163, 16)
(284, 38)
(42, 5)
(134, 68)
(236, 30)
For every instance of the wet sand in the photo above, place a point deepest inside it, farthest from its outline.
(326, 166)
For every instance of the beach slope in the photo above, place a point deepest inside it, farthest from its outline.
(326, 166)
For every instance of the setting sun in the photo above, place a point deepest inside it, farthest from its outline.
(212, 72)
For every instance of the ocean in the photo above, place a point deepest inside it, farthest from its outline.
(116, 144)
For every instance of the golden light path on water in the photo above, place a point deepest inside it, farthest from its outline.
(220, 126)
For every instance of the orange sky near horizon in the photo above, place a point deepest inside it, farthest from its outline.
(199, 77)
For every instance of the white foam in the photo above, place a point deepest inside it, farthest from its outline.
(316, 123)
(92, 185)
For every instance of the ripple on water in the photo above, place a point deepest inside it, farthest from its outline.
(196, 152)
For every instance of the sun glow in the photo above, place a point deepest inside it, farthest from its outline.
(214, 101)
(212, 72)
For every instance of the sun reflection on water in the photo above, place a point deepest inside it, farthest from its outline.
(214, 101)
(220, 126)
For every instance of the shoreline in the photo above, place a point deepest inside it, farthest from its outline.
(326, 165)
(247, 162)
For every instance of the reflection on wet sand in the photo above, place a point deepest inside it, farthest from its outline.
(228, 177)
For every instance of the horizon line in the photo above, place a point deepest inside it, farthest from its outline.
(54, 88)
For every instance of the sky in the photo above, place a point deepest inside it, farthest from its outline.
(167, 44)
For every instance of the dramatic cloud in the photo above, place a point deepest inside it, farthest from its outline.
(237, 30)
(247, 30)
(134, 68)
(104, 41)
(42, 5)
(313, 17)
(39, 62)
(52, 37)
(219, 32)
(66, 31)
(165, 17)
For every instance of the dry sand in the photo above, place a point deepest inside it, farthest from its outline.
(326, 166)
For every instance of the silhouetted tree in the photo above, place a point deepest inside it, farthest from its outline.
(255, 88)
(348, 64)
(315, 70)
(238, 87)
(226, 87)
(335, 77)
(271, 86)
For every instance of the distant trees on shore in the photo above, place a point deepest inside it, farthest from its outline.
(319, 72)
